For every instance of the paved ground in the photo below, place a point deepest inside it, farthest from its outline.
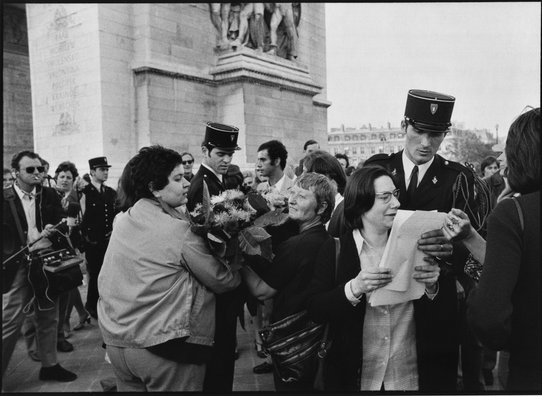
(88, 362)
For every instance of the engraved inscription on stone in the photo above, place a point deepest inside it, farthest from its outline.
(63, 72)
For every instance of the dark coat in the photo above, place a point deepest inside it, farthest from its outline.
(229, 305)
(195, 192)
(505, 310)
(327, 303)
(48, 211)
(100, 211)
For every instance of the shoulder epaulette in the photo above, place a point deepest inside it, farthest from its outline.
(456, 166)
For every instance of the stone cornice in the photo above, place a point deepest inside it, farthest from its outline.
(247, 64)
(243, 65)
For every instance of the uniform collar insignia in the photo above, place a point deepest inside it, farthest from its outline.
(394, 172)
(434, 180)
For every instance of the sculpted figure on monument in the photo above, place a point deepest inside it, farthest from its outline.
(285, 18)
(251, 26)
(220, 14)
(271, 27)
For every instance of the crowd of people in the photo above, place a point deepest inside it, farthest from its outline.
(168, 307)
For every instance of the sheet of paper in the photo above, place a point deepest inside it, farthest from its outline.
(402, 255)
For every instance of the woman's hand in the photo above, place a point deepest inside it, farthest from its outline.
(457, 225)
(435, 244)
(369, 280)
(428, 274)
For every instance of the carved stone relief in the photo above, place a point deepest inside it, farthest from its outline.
(268, 27)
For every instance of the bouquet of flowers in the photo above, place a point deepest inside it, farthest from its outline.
(234, 223)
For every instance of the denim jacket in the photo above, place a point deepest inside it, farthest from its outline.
(158, 280)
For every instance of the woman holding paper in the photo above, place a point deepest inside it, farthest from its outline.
(388, 347)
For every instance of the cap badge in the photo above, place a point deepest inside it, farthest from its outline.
(232, 137)
(434, 180)
(433, 108)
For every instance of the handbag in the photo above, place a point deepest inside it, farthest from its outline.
(293, 344)
(297, 346)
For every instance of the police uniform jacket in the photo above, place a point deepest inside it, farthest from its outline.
(195, 192)
(99, 213)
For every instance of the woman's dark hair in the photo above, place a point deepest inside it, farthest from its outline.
(487, 162)
(233, 179)
(322, 162)
(67, 166)
(149, 168)
(344, 157)
(359, 195)
(523, 152)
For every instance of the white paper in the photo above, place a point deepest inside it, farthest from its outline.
(401, 255)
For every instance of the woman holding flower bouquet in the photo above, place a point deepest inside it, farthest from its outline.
(286, 279)
(157, 283)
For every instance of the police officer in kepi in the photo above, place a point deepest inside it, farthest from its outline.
(98, 207)
(218, 147)
(428, 181)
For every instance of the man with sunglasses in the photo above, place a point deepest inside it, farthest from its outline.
(188, 164)
(29, 212)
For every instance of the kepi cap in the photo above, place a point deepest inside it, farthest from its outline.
(98, 162)
(428, 110)
(221, 136)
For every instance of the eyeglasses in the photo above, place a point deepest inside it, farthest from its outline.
(386, 196)
(31, 169)
(188, 162)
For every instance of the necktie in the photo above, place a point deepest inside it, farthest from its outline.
(413, 184)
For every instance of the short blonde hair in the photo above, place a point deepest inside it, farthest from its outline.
(323, 189)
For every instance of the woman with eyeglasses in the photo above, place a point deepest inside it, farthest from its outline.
(382, 347)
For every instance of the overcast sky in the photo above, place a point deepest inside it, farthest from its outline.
(486, 55)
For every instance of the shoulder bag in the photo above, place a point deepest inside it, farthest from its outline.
(294, 344)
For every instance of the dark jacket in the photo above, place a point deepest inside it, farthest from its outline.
(505, 310)
(48, 211)
(195, 192)
(436, 344)
(100, 211)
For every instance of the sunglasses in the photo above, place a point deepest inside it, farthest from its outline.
(31, 169)
(187, 162)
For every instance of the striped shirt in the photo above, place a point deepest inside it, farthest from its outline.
(389, 336)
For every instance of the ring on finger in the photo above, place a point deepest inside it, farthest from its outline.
(450, 226)
(441, 247)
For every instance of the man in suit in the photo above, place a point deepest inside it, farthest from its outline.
(29, 212)
(98, 207)
(218, 147)
(271, 161)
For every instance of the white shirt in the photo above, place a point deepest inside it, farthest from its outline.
(29, 206)
(278, 185)
(408, 165)
(218, 175)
